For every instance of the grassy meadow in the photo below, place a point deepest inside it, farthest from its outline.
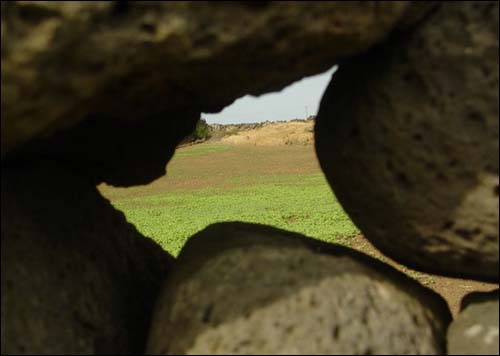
(280, 186)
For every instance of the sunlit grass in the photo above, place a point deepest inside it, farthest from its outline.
(209, 183)
(301, 204)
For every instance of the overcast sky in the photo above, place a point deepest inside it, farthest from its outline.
(290, 103)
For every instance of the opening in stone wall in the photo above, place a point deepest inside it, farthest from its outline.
(253, 162)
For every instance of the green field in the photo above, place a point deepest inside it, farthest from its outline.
(278, 186)
(208, 183)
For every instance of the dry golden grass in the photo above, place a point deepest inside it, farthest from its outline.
(275, 134)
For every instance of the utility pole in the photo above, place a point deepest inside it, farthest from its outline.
(306, 113)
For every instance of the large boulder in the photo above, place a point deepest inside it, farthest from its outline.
(250, 289)
(408, 138)
(76, 277)
(111, 87)
(475, 331)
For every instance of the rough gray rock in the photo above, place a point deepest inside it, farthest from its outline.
(250, 289)
(76, 277)
(407, 136)
(115, 86)
(475, 331)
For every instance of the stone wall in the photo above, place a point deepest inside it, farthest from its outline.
(407, 136)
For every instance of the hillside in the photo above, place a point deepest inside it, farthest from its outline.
(295, 132)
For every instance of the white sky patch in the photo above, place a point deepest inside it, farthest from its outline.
(297, 101)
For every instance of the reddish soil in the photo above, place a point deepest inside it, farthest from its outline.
(451, 289)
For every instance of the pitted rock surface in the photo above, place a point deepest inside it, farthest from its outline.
(475, 331)
(407, 136)
(115, 86)
(249, 289)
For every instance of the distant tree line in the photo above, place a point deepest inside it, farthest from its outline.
(200, 133)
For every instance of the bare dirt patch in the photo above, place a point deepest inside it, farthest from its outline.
(210, 165)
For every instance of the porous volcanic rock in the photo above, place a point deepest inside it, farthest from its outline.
(249, 289)
(111, 87)
(408, 138)
(76, 277)
(475, 331)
